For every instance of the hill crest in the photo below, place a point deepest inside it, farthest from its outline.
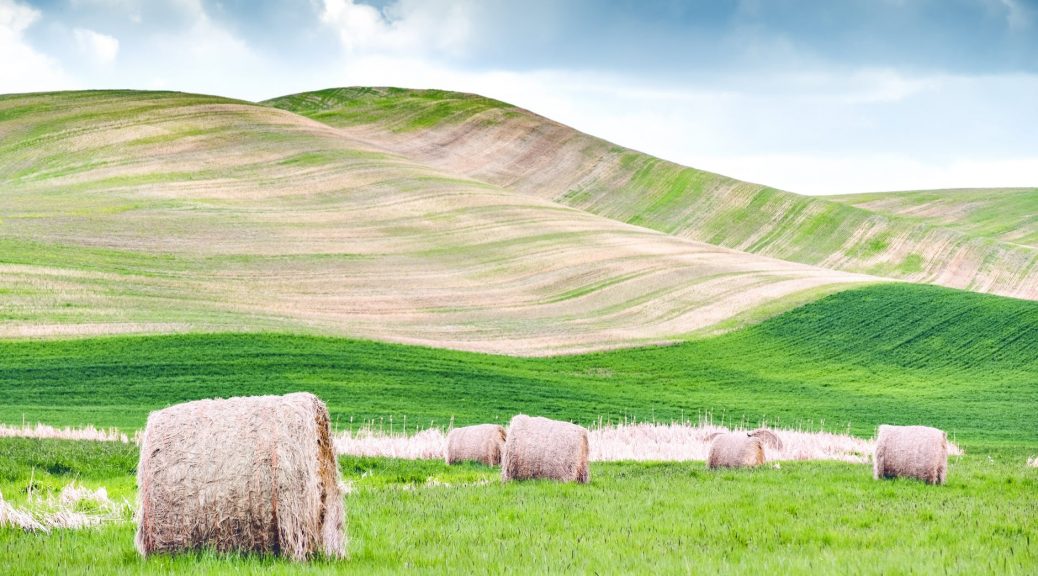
(521, 151)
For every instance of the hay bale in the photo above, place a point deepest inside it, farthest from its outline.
(481, 443)
(768, 437)
(911, 452)
(711, 436)
(736, 450)
(240, 475)
(537, 447)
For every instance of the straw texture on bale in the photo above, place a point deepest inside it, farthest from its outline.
(911, 452)
(768, 438)
(538, 447)
(253, 474)
(711, 436)
(735, 450)
(481, 443)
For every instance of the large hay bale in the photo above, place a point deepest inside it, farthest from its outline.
(912, 452)
(241, 475)
(768, 437)
(481, 443)
(736, 450)
(542, 448)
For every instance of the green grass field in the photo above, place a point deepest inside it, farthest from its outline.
(633, 517)
(889, 353)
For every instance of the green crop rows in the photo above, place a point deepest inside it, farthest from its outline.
(887, 353)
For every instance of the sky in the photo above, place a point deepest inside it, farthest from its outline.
(812, 96)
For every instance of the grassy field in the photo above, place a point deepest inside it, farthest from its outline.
(408, 516)
(521, 151)
(887, 353)
(250, 245)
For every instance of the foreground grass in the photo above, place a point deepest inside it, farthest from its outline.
(891, 353)
(809, 517)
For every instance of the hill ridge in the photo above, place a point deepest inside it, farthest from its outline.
(505, 145)
(153, 212)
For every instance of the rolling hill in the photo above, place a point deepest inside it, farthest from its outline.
(1008, 214)
(518, 150)
(894, 353)
(157, 212)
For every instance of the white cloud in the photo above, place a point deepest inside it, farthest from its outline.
(22, 68)
(99, 48)
(426, 26)
(204, 57)
(1018, 16)
(823, 130)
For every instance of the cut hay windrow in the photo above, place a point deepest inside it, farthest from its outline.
(62, 511)
(911, 452)
(256, 474)
(542, 448)
(480, 443)
(736, 450)
(67, 433)
(677, 442)
(430, 444)
(12, 517)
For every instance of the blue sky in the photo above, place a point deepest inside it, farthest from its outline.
(814, 96)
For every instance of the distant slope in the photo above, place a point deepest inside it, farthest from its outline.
(894, 353)
(1008, 214)
(514, 148)
(152, 212)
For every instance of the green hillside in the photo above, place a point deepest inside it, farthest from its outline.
(521, 151)
(1009, 214)
(889, 353)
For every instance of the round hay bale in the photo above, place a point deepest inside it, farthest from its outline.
(768, 437)
(252, 474)
(711, 436)
(481, 443)
(911, 452)
(736, 450)
(538, 447)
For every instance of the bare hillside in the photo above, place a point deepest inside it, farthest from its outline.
(167, 212)
(521, 151)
